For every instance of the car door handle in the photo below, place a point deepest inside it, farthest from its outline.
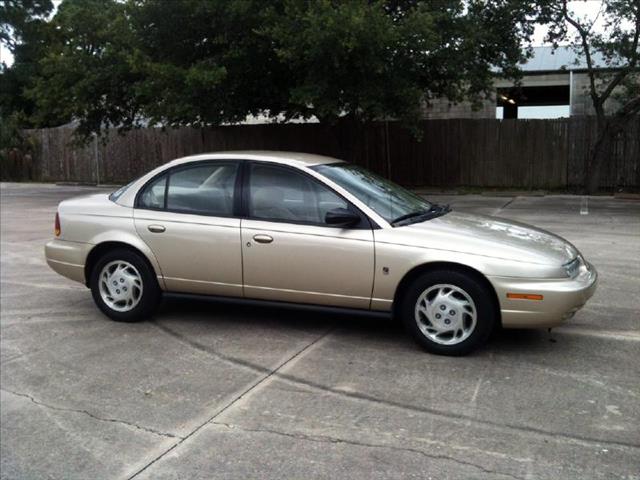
(263, 238)
(156, 228)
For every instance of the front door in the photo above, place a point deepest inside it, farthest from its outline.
(290, 254)
(186, 216)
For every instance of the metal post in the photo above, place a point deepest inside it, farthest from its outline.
(386, 131)
(95, 157)
(570, 93)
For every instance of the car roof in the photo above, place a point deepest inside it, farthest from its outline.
(295, 159)
(288, 158)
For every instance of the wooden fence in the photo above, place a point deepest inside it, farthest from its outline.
(535, 154)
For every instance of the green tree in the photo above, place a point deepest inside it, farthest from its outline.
(615, 92)
(373, 60)
(206, 62)
(18, 18)
(89, 74)
(26, 33)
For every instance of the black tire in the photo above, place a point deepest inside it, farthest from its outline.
(151, 293)
(482, 296)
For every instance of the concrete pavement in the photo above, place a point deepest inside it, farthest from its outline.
(218, 390)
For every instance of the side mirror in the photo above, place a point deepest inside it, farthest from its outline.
(341, 217)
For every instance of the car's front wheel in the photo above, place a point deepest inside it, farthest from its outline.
(448, 312)
(124, 286)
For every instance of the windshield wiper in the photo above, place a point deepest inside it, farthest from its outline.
(407, 216)
(422, 215)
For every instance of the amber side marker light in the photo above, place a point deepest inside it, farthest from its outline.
(525, 296)
(56, 226)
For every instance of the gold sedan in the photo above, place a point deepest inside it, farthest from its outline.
(301, 228)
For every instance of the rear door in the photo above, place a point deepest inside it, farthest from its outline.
(290, 253)
(187, 217)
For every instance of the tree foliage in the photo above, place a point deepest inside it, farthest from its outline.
(26, 33)
(19, 18)
(384, 59)
(89, 73)
(126, 63)
(204, 63)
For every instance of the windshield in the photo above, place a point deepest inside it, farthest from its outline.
(392, 202)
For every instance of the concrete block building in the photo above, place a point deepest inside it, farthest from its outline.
(554, 85)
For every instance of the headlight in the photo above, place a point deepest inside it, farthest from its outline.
(573, 267)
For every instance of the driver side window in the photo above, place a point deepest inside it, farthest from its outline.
(280, 194)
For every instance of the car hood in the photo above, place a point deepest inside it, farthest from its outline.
(490, 237)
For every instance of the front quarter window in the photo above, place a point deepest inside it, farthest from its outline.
(389, 200)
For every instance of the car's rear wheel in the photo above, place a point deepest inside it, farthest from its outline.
(448, 312)
(124, 286)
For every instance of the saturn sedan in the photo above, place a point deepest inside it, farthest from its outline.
(307, 229)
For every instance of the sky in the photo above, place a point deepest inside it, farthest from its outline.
(5, 55)
(580, 9)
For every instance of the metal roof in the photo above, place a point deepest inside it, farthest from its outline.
(545, 59)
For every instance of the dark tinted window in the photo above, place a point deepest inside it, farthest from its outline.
(278, 193)
(203, 189)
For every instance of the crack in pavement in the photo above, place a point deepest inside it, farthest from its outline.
(499, 209)
(237, 398)
(465, 419)
(329, 439)
(234, 361)
(85, 412)
(456, 417)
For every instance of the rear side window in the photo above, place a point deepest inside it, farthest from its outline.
(205, 189)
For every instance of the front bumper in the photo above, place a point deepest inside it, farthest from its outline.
(562, 298)
(67, 258)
